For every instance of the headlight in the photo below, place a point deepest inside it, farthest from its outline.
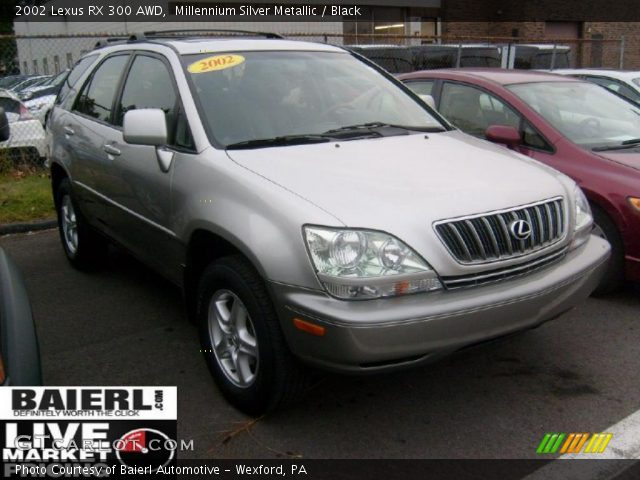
(584, 219)
(360, 264)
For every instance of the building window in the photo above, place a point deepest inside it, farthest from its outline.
(25, 67)
(45, 66)
(56, 64)
(383, 21)
(35, 67)
(69, 60)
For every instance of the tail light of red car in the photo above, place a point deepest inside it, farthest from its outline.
(25, 114)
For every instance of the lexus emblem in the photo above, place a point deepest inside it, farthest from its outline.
(520, 229)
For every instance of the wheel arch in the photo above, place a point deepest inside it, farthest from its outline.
(607, 207)
(58, 173)
(204, 247)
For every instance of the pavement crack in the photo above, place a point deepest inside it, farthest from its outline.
(245, 427)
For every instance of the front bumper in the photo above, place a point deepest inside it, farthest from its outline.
(373, 335)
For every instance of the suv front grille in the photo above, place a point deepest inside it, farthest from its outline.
(487, 237)
(482, 278)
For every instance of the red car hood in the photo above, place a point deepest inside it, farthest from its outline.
(629, 159)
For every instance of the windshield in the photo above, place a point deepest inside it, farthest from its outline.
(248, 96)
(55, 81)
(587, 114)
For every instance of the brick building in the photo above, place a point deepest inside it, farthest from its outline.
(593, 43)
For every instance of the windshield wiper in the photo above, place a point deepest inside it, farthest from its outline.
(631, 143)
(380, 127)
(282, 141)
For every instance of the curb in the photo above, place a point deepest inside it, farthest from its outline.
(27, 227)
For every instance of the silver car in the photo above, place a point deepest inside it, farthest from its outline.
(312, 209)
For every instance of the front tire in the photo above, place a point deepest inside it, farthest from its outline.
(241, 339)
(613, 278)
(84, 248)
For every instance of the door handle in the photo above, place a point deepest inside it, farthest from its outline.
(111, 150)
(69, 131)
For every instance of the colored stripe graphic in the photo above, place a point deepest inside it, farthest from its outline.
(574, 443)
(598, 443)
(550, 443)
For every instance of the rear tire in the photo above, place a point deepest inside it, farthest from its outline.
(242, 341)
(85, 249)
(613, 278)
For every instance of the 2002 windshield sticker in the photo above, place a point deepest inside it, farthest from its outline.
(217, 62)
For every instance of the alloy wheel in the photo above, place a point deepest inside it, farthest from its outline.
(233, 338)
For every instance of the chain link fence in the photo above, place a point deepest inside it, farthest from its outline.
(409, 53)
(33, 68)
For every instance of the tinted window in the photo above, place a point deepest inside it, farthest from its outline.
(183, 138)
(587, 114)
(473, 111)
(615, 86)
(421, 87)
(543, 60)
(75, 74)
(98, 93)
(148, 85)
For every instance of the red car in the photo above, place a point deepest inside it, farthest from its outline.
(573, 126)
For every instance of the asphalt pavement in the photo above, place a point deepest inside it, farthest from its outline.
(125, 325)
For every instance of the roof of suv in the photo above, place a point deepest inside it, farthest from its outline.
(193, 45)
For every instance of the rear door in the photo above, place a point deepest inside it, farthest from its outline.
(85, 129)
(140, 181)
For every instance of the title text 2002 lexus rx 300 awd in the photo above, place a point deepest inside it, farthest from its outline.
(313, 210)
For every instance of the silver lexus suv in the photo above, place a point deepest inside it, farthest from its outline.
(312, 209)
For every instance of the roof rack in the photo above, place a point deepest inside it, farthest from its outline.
(155, 34)
(206, 31)
(109, 41)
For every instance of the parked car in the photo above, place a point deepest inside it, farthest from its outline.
(393, 58)
(446, 56)
(51, 86)
(39, 100)
(27, 133)
(10, 80)
(31, 81)
(623, 83)
(312, 209)
(542, 56)
(19, 352)
(571, 125)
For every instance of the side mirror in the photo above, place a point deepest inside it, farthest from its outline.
(504, 134)
(428, 99)
(5, 131)
(145, 126)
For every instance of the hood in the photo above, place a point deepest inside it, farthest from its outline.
(37, 92)
(380, 183)
(630, 158)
